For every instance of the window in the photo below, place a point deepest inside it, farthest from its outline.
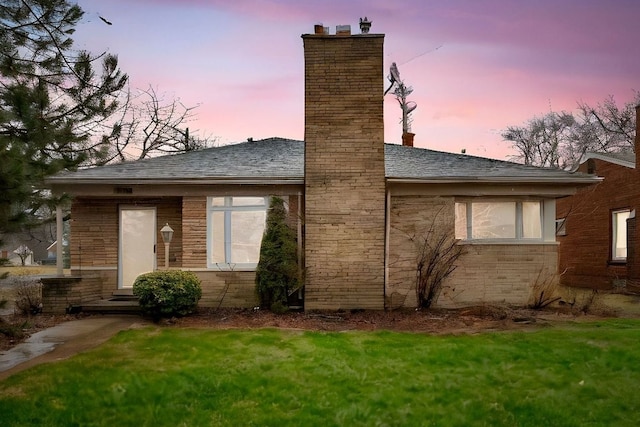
(619, 234)
(499, 220)
(235, 226)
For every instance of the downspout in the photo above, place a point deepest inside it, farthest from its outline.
(300, 245)
(387, 232)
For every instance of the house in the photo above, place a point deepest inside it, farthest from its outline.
(359, 206)
(599, 245)
(36, 240)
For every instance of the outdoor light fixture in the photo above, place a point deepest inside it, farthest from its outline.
(167, 235)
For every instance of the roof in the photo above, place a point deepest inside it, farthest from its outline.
(279, 160)
(624, 158)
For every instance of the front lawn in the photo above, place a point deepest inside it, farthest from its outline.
(575, 375)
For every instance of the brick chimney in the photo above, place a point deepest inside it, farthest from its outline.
(407, 139)
(344, 171)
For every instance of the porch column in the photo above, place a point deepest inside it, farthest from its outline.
(59, 261)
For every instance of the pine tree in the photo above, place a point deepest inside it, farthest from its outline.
(50, 99)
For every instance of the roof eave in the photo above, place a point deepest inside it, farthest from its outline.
(604, 158)
(176, 181)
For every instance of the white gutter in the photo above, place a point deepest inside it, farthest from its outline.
(497, 179)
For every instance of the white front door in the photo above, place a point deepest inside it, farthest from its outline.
(137, 254)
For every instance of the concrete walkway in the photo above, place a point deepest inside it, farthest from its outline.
(64, 340)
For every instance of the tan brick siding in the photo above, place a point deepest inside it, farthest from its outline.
(485, 274)
(227, 289)
(499, 274)
(344, 173)
(194, 231)
(59, 294)
(95, 230)
(95, 234)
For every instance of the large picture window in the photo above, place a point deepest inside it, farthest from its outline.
(619, 234)
(499, 220)
(235, 229)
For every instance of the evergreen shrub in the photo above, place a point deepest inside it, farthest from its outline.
(277, 272)
(172, 293)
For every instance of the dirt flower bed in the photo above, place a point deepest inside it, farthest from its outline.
(434, 321)
(16, 328)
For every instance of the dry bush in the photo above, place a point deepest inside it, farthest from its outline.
(29, 297)
(544, 291)
(438, 253)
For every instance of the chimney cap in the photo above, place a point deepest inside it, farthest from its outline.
(343, 30)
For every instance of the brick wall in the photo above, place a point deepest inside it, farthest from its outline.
(485, 273)
(95, 228)
(344, 172)
(585, 251)
(410, 219)
(227, 289)
(94, 250)
(94, 247)
(499, 274)
(194, 231)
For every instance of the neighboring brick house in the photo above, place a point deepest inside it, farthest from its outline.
(597, 232)
(355, 201)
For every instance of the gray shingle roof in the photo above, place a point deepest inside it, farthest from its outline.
(283, 159)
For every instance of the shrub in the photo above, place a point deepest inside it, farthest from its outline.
(167, 293)
(437, 255)
(29, 297)
(277, 273)
(544, 291)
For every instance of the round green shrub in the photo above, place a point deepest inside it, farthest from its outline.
(167, 293)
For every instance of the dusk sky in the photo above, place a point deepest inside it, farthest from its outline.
(476, 66)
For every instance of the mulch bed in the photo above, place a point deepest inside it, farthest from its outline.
(433, 321)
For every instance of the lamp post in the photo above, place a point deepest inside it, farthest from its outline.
(167, 235)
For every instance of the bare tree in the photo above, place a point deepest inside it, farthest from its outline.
(151, 124)
(23, 252)
(610, 128)
(560, 140)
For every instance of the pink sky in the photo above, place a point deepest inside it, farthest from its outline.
(476, 66)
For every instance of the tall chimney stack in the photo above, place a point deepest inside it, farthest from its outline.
(344, 171)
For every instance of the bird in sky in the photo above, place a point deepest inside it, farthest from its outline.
(104, 20)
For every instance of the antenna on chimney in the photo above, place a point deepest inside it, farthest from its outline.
(401, 92)
(365, 25)
(393, 77)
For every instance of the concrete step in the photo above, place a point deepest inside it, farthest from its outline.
(113, 305)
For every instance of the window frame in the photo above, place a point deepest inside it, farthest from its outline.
(614, 234)
(519, 220)
(228, 208)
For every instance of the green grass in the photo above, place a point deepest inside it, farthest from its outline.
(576, 375)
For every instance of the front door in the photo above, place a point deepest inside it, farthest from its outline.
(137, 254)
